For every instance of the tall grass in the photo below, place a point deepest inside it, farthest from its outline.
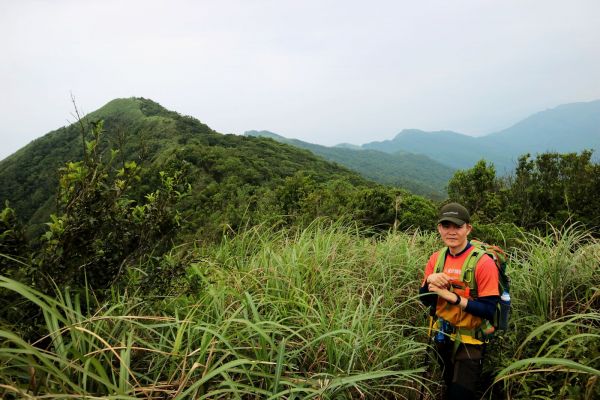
(558, 273)
(553, 348)
(319, 314)
(323, 313)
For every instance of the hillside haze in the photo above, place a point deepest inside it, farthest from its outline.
(566, 128)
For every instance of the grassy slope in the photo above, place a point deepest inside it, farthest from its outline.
(321, 313)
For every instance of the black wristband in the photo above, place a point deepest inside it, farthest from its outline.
(458, 299)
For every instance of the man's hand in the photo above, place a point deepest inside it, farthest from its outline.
(441, 280)
(440, 284)
(442, 292)
(445, 294)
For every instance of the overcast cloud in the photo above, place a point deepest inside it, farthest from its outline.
(322, 71)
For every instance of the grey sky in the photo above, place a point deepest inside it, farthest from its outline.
(321, 71)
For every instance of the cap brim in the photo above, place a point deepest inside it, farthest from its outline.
(456, 221)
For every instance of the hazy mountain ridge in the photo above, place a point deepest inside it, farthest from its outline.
(450, 148)
(566, 128)
(418, 173)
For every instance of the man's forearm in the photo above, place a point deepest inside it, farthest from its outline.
(427, 298)
(483, 307)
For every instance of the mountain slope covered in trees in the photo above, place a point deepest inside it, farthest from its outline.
(417, 173)
(231, 166)
(235, 180)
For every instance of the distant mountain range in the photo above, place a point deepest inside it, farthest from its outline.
(423, 162)
(567, 128)
(417, 173)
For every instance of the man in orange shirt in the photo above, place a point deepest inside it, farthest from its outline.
(460, 315)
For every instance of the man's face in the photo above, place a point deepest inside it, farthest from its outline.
(454, 236)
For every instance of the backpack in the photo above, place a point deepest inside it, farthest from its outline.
(500, 321)
(501, 315)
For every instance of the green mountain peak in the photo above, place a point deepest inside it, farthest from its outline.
(229, 168)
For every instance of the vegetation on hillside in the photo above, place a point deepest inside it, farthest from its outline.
(417, 173)
(229, 173)
(324, 312)
(188, 264)
(111, 215)
(553, 188)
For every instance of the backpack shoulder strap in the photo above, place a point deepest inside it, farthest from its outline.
(441, 259)
(468, 269)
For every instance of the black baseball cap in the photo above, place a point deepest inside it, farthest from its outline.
(455, 213)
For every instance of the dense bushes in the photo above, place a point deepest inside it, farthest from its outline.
(99, 230)
(555, 189)
(13, 242)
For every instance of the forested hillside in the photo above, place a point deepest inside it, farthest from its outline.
(235, 180)
(157, 139)
(417, 173)
(450, 148)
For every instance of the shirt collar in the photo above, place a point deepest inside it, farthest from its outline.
(467, 247)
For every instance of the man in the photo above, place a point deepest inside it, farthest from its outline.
(461, 315)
